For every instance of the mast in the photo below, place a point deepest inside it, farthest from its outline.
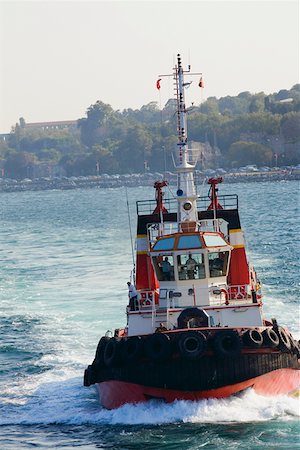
(186, 191)
(187, 216)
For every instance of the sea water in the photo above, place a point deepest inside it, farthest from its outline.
(65, 259)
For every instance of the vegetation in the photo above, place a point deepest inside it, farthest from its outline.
(246, 129)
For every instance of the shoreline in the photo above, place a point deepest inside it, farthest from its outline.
(132, 181)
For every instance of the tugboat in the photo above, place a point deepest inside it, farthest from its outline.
(196, 329)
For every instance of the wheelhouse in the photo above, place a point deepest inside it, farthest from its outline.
(194, 256)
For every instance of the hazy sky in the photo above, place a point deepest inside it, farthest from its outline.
(58, 58)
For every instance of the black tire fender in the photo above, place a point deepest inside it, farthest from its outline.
(296, 348)
(99, 356)
(89, 376)
(253, 338)
(192, 344)
(86, 378)
(111, 352)
(132, 349)
(284, 340)
(270, 337)
(227, 343)
(158, 347)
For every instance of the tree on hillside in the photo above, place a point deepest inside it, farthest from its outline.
(161, 152)
(118, 141)
(244, 153)
(134, 150)
(49, 155)
(95, 122)
(210, 106)
(234, 105)
(260, 122)
(257, 103)
(103, 159)
(290, 127)
(19, 165)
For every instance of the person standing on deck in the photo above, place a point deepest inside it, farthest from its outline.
(132, 294)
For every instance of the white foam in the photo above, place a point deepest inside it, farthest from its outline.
(66, 401)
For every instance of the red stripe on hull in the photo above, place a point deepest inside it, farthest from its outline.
(114, 394)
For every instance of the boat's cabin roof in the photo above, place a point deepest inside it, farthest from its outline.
(187, 241)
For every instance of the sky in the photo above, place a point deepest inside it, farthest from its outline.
(58, 58)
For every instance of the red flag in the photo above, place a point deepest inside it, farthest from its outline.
(201, 84)
(158, 83)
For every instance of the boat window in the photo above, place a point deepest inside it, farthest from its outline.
(189, 242)
(191, 266)
(164, 267)
(164, 244)
(218, 262)
(213, 240)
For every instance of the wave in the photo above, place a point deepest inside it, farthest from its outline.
(68, 402)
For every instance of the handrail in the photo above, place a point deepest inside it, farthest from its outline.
(146, 207)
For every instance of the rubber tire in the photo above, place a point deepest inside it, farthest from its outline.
(132, 349)
(253, 338)
(111, 355)
(192, 345)
(227, 344)
(89, 376)
(284, 340)
(296, 348)
(158, 347)
(271, 338)
(99, 356)
(192, 313)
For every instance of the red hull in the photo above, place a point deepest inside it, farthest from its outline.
(114, 394)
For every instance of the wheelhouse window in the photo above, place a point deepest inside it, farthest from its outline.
(192, 241)
(164, 267)
(218, 262)
(213, 240)
(164, 244)
(191, 266)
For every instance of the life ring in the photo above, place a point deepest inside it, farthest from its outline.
(253, 338)
(111, 352)
(284, 340)
(224, 291)
(271, 338)
(158, 347)
(198, 316)
(227, 343)
(132, 349)
(192, 344)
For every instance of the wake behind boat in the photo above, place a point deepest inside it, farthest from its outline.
(196, 328)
